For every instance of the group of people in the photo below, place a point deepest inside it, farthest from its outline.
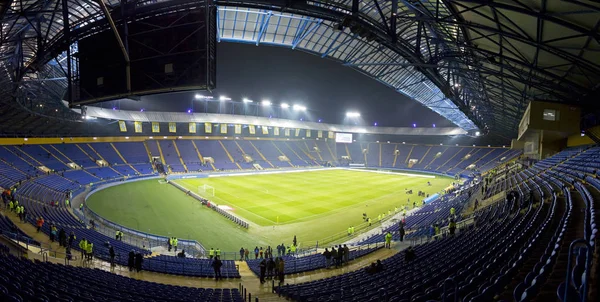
(270, 268)
(172, 243)
(14, 206)
(212, 253)
(87, 249)
(119, 235)
(135, 261)
(339, 256)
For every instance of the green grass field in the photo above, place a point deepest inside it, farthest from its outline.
(311, 205)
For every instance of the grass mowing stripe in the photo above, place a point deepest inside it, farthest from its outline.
(312, 205)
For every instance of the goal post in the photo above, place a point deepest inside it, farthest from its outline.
(206, 189)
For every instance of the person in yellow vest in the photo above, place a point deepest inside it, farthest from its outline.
(117, 235)
(11, 206)
(211, 253)
(293, 249)
(389, 212)
(89, 250)
(175, 241)
(83, 247)
(218, 253)
(379, 217)
(67, 203)
(388, 240)
(349, 231)
(395, 209)
(369, 221)
(452, 211)
(352, 230)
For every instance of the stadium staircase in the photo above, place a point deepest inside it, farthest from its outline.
(574, 231)
(198, 152)
(162, 157)
(455, 154)
(424, 155)
(148, 151)
(408, 155)
(53, 155)
(471, 154)
(260, 154)
(281, 152)
(123, 159)
(62, 154)
(20, 150)
(318, 152)
(179, 155)
(290, 148)
(229, 155)
(306, 152)
(331, 151)
(473, 163)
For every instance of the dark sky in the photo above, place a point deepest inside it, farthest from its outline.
(327, 88)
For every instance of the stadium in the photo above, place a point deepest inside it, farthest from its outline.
(328, 150)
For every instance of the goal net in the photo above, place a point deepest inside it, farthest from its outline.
(206, 189)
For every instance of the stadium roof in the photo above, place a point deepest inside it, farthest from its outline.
(475, 62)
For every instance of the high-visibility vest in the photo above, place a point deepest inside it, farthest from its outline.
(90, 247)
(175, 241)
(211, 252)
(82, 245)
(11, 205)
(218, 252)
(452, 211)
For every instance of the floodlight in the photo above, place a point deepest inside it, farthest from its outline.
(285, 105)
(414, 125)
(164, 137)
(150, 137)
(320, 120)
(299, 108)
(352, 114)
(477, 133)
(142, 110)
(224, 98)
(266, 103)
(202, 97)
(95, 138)
(247, 100)
(433, 125)
(25, 139)
(375, 124)
(189, 111)
(127, 137)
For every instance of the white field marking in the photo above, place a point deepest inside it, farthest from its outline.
(394, 173)
(272, 172)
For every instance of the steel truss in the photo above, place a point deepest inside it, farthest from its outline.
(476, 62)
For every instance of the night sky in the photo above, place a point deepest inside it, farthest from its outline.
(324, 86)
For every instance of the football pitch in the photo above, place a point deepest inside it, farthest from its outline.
(312, 205)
